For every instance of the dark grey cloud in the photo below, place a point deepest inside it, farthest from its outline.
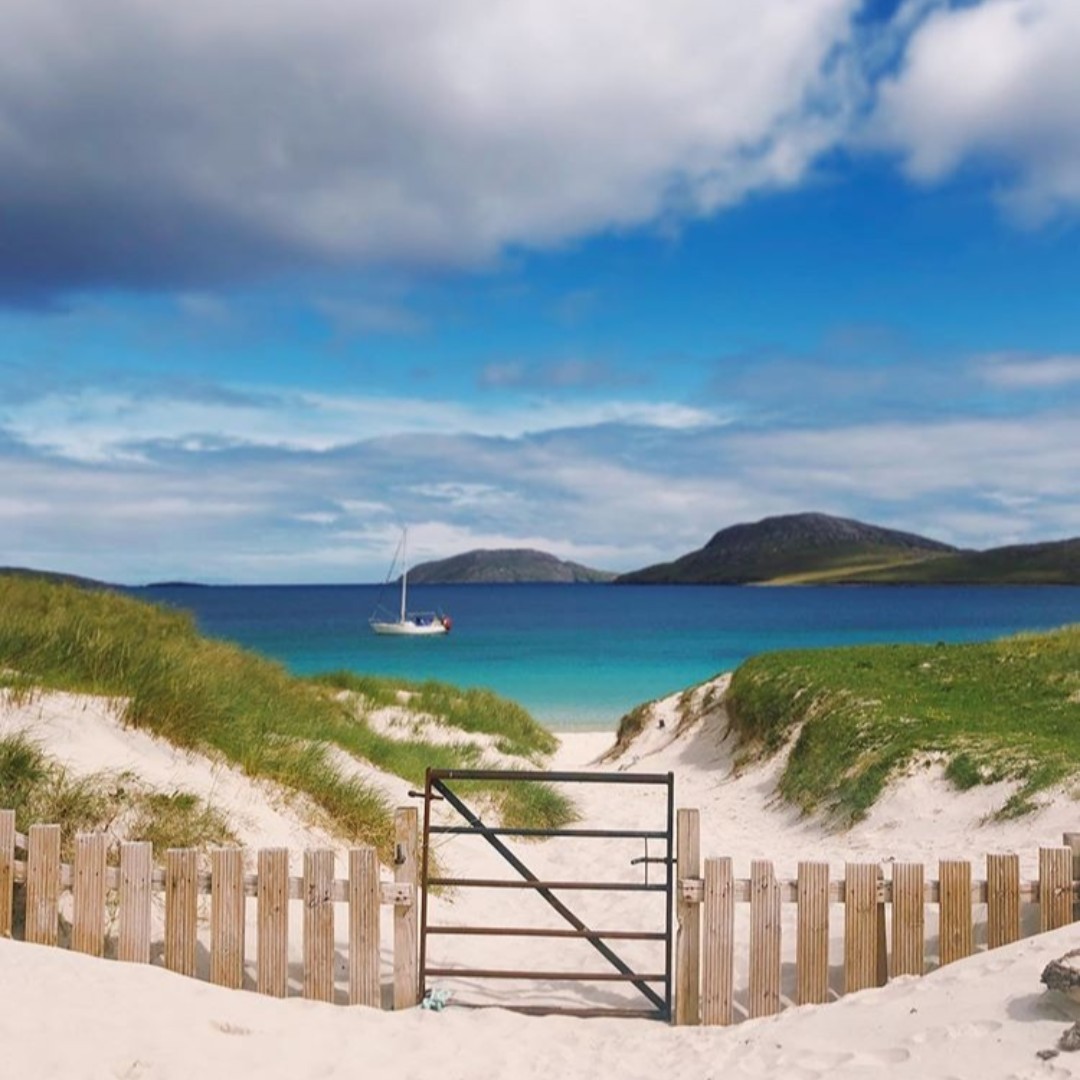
(146, 144)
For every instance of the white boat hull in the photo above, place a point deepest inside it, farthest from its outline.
(410, 629)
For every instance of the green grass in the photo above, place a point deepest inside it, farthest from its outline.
(40, 790)
(213, 696)
(1006, 709)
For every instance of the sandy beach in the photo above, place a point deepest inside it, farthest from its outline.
(63, 1015)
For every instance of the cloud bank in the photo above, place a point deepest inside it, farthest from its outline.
(155, 144)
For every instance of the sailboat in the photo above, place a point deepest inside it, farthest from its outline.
(408, 623)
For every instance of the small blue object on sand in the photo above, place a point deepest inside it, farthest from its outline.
(436, 1000)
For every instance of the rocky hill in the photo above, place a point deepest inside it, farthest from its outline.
(509, 566)
(792, 548)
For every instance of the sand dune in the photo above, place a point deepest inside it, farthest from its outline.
(62, 1015)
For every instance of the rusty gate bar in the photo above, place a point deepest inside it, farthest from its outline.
(436, 780)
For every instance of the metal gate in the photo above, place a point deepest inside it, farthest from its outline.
(650, 982)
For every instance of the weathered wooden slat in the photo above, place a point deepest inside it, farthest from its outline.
(1071, 840)
(908, 919)
(364, 931)
(181, 910)
(718, 952)
(273, 922)
(7, 870)
(955, 930)
(812, 934)
(227, 912)
(860, 926)
(88, 889)
(1055, 888)
(764, 939)
(43, 885)
(1002, 900)
(136, 864)
(688, 916)
(319, 925)
(406, 867)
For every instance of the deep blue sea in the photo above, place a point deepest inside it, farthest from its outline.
(582, 655)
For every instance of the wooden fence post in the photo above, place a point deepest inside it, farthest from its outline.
(812, 934)
(1055, 888)
(136, 867)
(908, 919)
(227, 911)
(364, 901)
(88, 889)
(955, 931)
(181, 909)
(860, 926)
(318, 892)
(688, 915)
(764, 939)
(272, 975)
(406, 958)
(1002, 900)
(1071, 840)
(43, 885)
(7, 870)
(718, 949)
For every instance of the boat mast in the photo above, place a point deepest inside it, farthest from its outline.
(404, 572)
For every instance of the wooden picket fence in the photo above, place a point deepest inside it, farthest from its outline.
(134, 882)
(884, 920)
(705, 909)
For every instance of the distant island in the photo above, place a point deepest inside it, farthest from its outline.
(508, 566)
(790, 549)
(818, 549)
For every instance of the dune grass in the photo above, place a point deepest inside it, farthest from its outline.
(1002, 710)
(213, 696)
(39, 789)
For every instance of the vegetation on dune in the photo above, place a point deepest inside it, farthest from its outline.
(39, 789)
(1001, 710)
(210, 695)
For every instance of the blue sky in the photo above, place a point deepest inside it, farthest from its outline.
(599, 277)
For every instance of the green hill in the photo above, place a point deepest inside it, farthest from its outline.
(506, 566)
(794, 547)
(1056, 563)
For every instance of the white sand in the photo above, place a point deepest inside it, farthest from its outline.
(63, 1015)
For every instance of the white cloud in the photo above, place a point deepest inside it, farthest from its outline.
(190, 140)
(998, 81)
(649, 495)
(1031, 373)
(96, 426)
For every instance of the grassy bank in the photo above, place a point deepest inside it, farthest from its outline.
(210, 695)
(1003, 710)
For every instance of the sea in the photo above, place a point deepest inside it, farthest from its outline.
(580, 656)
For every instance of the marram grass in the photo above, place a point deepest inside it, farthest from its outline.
(860, 716)
(214, 696)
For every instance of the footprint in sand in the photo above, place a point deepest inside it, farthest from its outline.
(882, 1059)
(937, 1035)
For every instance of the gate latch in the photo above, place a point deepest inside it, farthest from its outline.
(667, 860)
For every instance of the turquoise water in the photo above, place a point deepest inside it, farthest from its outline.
(582, 655)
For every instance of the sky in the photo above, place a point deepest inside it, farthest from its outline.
(600, 277)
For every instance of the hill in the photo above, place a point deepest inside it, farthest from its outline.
(1056, 563)
(792, 548)
(505, 566)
